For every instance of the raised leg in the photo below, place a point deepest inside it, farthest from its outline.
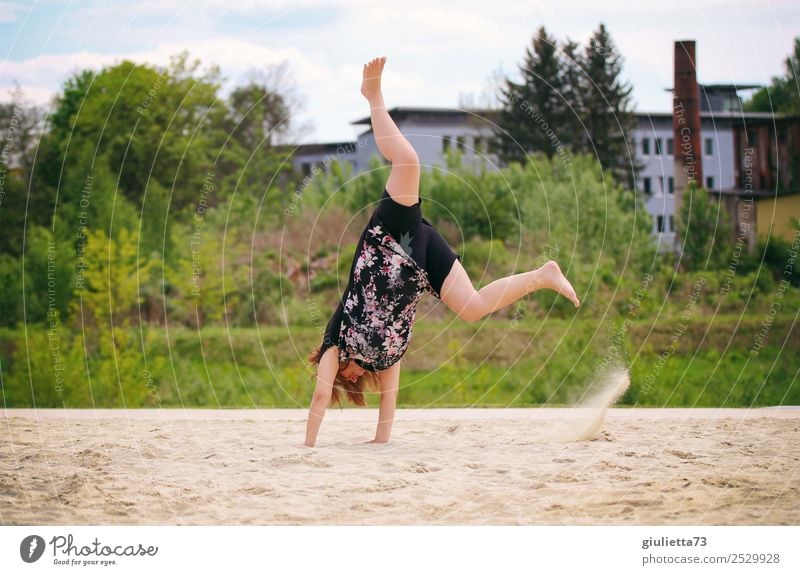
(470, 304)
(403, 182)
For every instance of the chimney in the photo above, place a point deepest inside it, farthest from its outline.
(688, 166)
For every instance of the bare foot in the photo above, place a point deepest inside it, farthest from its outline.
(550, 277)
(371, 84)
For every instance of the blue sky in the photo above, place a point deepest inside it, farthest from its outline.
(438, 53)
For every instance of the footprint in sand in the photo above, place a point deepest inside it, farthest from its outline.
(682, 454)
(257, 490)
(727, 482)
(421, 468)
(564, 478)
(92, 459)
(286, 460)
(387, 485)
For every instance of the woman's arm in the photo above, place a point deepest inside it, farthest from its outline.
(390, 383)
(326, 374)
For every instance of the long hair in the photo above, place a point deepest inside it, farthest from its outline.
(354, 390)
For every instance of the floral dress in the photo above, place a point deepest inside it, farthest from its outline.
(399, 256)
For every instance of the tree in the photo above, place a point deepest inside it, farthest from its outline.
(783, 94)
(573, 100)
(110, 288)
(704, 229)
(608, 108)
(150, 124)
(533, 110)
(20, 128)
(574, 82)
(21, 124)
(259, 122)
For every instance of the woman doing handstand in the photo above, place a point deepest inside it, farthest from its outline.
(399, 256)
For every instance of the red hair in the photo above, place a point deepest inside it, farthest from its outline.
(354, 390)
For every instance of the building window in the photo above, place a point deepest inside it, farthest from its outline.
(670, 147)
(460, 143)
(660, 185)
(658, 146)
(672, 223)
(646, 146)
(477, 143)
(709, 182)
(709, 147)
(445, 143)
(306, 167)
(648, 186)
(660, 224)
(671, 185)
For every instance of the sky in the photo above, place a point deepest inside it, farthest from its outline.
(439, 53)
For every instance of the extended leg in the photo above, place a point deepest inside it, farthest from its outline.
(403, 182)
(470, 304)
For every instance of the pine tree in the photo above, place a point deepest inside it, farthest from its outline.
(704, 228)
(782, 94)
(532, 115)
(574, 85)
(609, 116)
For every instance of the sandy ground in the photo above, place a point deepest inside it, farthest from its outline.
(480, 466)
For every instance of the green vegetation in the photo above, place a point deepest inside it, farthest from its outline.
(163, 254)
(782, 94)
(493, 363)
(569, 101)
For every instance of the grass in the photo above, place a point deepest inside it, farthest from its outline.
(492, 363)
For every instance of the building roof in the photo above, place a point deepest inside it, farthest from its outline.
(729, 87)
(722, 87)
(741, 192)
(404, 111)
(321, 147)
(401, 111)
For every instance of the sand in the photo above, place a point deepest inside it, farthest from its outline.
(456, 466)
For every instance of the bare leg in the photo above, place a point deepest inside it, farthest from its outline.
(470, 304)
(390, 383)
(403, 182)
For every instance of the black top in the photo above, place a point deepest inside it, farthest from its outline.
(399, 256)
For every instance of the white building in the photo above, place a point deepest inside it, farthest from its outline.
(433, 130)
(655, 151)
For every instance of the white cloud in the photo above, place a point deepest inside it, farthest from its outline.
(10, 11)
(436, 51)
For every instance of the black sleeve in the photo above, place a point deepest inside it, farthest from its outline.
(397, 218)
